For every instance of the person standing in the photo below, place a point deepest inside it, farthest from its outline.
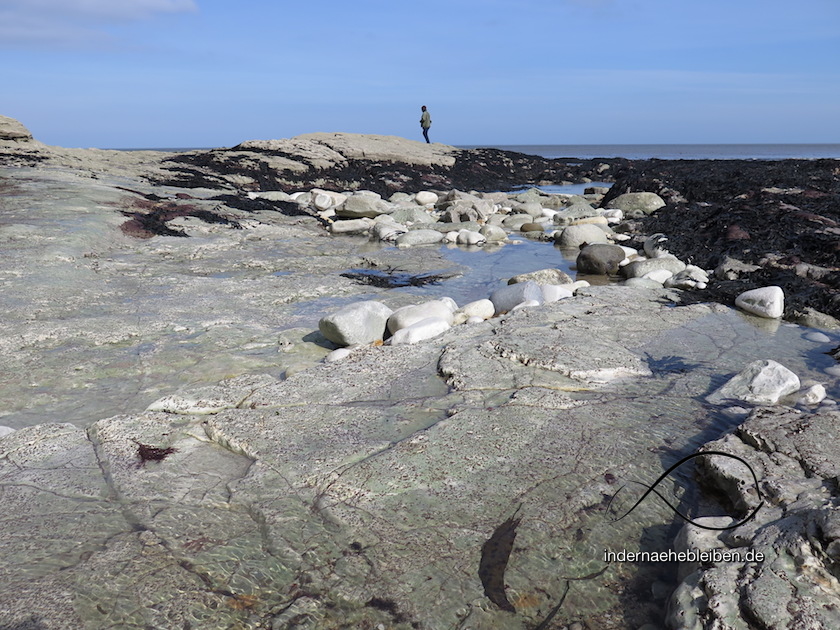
(425, 123)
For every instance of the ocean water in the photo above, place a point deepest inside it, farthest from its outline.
(676, 151)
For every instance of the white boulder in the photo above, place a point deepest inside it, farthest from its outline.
(359, 323)
(766, 302)
(409, 315)
(426, 197)
(420, 331)
(760, 383)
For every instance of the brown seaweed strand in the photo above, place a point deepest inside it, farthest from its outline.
(495, 553)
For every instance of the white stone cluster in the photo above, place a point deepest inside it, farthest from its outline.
(371, 322)
(767, 382)
(465, 218)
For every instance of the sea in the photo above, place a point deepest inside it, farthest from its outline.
(645, 151)
(675, 151)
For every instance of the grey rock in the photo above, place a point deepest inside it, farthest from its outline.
(411, 214)
(351, 226)
(600, 259)
(784, 583)
(532, 208)
(426, 197)
(732, 269)
(361, 205)
(359, 323)
(573, 213)
(637, 204)
(543, 276)
(642, 283)
(812, 318)
(511, 295)
(515, 221)
(639, 268)
(493, 233)
(448, 227)
(419, 237)
(573, 236)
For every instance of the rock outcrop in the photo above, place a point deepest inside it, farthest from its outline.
(383, 164)
(786, 574)
(11, 129)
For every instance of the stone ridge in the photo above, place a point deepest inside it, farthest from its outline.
(383, 164)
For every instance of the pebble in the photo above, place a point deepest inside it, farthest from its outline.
(766, 302)
(817, 337)
(833, 370)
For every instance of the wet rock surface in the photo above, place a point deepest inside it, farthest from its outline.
(194, 464)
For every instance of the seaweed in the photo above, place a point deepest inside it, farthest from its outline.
(392, 278)
(495, 553)
(148, 453)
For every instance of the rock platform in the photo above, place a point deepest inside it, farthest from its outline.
(472, 479)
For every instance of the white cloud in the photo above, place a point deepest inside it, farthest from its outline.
(63, 23)
(98, 9)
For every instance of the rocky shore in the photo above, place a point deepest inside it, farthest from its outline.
(241, 394)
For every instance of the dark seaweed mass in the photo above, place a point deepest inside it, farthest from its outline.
(474, 169)
(781, 215)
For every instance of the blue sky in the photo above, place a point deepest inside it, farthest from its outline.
(201, 73)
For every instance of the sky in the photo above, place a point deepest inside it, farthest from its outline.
(213, 73)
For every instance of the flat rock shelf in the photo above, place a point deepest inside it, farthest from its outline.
(182, 448)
